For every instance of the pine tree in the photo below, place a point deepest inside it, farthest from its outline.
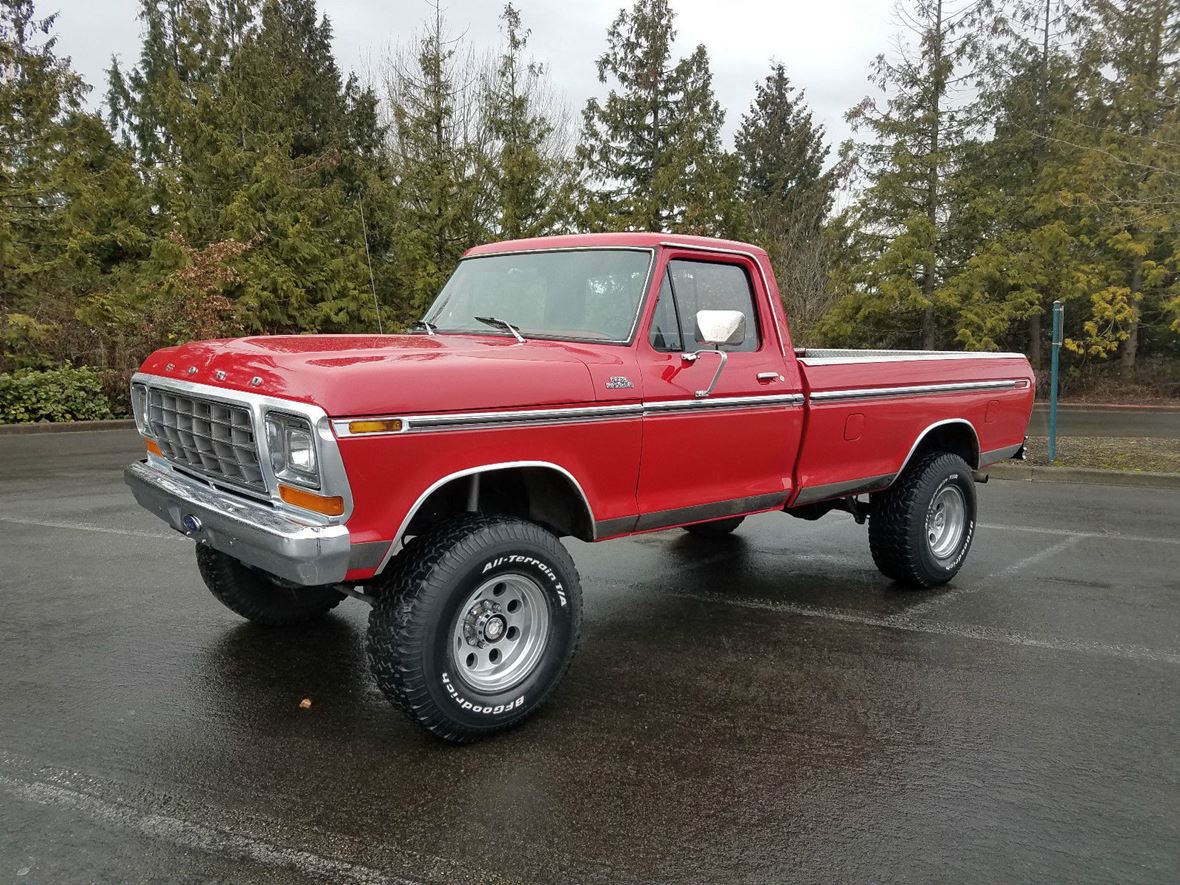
(526, 169)
(38, 95)
(73, 215)
(187, 45)
(787, 193)
(1024, 250)
(905, 218)
(1125, 174)
(436, 189)
(652, 147)
(252, 139)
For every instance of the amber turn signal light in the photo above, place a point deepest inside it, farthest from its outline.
(153, 448)
(376, 425)
(329, 506)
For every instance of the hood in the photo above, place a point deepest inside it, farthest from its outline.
(378, 374)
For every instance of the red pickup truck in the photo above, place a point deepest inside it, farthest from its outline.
(590, 386)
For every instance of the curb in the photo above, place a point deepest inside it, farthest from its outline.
(1084, 475)
(66, 426)
(1075, 406)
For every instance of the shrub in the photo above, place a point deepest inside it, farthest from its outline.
(65, 394)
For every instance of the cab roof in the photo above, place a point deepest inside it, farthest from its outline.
(631, 240)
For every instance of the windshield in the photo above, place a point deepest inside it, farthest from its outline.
(589, 293)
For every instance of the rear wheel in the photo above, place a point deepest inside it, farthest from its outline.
(717, 529)
(921, 527)
(476, 625)
(259, 597)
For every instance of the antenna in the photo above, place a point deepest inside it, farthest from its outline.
(369, 261)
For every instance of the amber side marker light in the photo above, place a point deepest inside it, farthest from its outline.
(383, 425)
(329, 506)
(154, 448)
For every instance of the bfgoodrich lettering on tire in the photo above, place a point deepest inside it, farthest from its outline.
(476, 625)
(921, 528)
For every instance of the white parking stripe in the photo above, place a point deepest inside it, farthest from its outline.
(190, 835)
(937, 628)
(87, 527)
(1007, 572)
(1106, 536)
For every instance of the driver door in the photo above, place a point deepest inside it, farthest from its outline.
(731, 451)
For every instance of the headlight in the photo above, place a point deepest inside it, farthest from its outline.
(139, 408)
(292, 449)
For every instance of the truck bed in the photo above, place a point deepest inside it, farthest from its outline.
(858, 439)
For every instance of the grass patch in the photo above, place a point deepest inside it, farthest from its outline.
(1109, 453)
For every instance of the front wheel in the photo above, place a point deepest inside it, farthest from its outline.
(258, 596)
(921, 527)
(476, 626)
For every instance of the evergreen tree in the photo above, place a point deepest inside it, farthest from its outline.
(906, 217)
(39, 94)
(1024, 250)
(787, 194)
(436, 187)
(73, 216)
(526, 171)
(251, 138)
(1124, 174)
(187, 45)
(652, 148)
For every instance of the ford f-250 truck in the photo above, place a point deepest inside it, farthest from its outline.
(590, 386)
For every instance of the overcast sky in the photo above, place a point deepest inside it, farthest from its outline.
(827, 46)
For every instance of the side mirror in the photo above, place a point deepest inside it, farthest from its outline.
(717, 327)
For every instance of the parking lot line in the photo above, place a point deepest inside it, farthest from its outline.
(906, 622)
(1106, 536)
(1009, 571)
(190, 835)
(87, 527)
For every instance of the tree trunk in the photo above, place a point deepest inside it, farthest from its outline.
(1034, 341)
(929, 339)
(929, 281)
(1131, 345)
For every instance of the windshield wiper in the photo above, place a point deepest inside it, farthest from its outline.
(422, 324)
(498, 323)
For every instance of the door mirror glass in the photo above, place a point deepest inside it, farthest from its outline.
(721, 327)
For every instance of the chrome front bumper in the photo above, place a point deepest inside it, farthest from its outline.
(254, 533)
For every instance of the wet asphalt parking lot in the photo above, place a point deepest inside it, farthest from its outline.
(765, 709)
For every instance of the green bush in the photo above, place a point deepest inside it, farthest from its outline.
(65, 394)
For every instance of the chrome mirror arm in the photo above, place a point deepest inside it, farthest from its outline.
(693, 356)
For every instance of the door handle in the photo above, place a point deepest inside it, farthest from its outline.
(767, 377)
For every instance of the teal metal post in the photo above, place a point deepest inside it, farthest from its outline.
(1058, 322)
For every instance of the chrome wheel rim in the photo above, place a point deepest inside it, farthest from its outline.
(946, 521)
(500, 633)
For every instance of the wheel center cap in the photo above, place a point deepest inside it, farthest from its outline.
(494, 628)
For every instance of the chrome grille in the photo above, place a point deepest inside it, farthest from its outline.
(210, 437)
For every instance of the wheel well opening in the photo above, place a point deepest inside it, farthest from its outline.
(957, 437)
(539, 494)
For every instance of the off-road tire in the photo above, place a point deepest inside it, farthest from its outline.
(411, 623)
(898, 522)
(719, 528)
(258, 597)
